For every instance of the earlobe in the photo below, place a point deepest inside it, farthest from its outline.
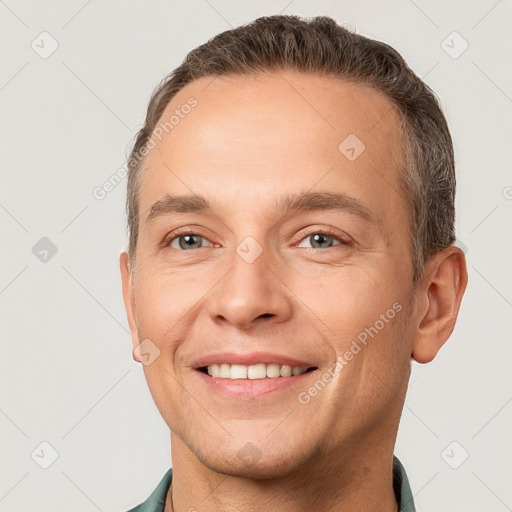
(129, 298)
(441, 290)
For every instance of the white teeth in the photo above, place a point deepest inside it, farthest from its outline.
(273, 371)
(238, 371)
(286, 371)
(224, 371)
(255, 371)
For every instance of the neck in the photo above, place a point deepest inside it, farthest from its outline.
(355, 479)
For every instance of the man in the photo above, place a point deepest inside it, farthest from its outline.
(291, 216)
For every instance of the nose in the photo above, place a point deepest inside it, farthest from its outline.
(252, 293)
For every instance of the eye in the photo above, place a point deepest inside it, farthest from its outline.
(323, 240)
(189, 240)
(186, 241)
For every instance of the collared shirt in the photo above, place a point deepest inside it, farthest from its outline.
(156, 502)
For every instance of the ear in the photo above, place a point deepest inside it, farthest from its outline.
(439, 295)
(129, 299)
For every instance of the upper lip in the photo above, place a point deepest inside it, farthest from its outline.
(249, 359)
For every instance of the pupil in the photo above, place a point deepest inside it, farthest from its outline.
(189, 241)
(320, 238)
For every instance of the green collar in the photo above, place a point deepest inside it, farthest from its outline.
(156, 502)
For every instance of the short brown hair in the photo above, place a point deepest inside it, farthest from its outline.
(322, 46)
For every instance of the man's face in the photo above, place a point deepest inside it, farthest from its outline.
(251, 282)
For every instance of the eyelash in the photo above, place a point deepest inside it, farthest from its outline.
(329, 232)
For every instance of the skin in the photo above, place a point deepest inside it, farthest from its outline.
(248, 141)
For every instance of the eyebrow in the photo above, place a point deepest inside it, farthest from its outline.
(308, 201)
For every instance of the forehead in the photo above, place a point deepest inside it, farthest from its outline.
(249, 137)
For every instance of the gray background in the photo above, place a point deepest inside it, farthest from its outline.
(67, 120)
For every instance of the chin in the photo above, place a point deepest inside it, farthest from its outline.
(267, 467)
(257, 461)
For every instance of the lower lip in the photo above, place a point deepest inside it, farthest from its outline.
(252, 388)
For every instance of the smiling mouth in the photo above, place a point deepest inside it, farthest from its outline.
(254, 372)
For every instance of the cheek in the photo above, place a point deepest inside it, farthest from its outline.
(369, 320)
(379, 331)
(372, 358)
(354, 301)
(166, 393)
(163, 303)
